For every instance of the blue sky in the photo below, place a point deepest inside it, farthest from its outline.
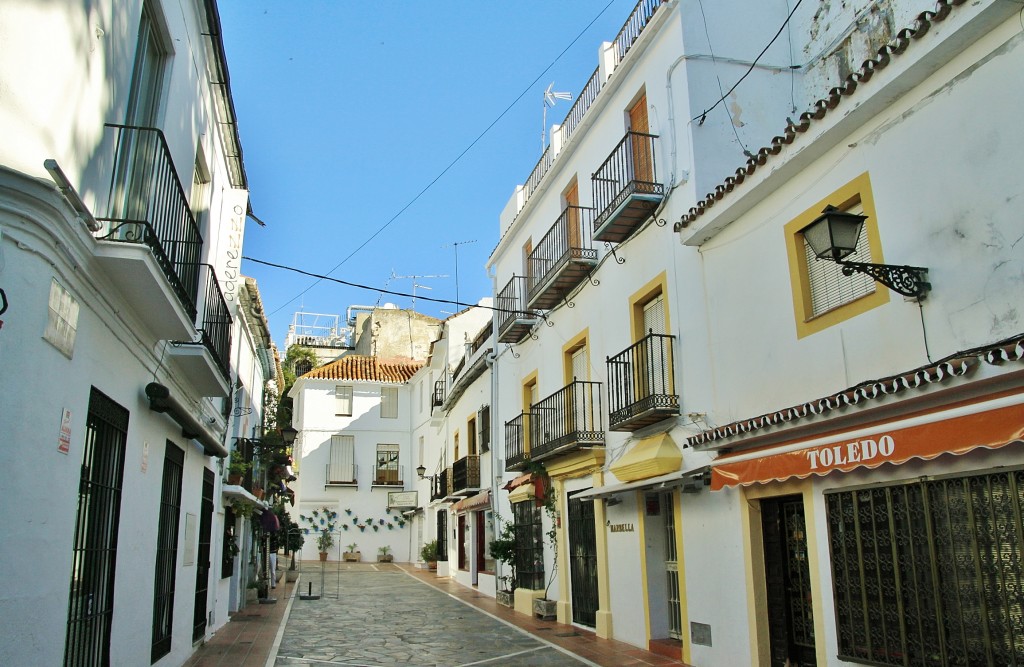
(348, 110)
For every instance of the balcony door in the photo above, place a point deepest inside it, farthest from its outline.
(652, 373)
(137, 149)
(572, 216)
(643, 164)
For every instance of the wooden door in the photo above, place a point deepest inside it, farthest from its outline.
(640, 150)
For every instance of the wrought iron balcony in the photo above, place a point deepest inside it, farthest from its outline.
(568, 420)
(561, 260)
(147, 208)
(389, 476)
(439, 485)
(437, 399)
(206, 359)
(466, 475)
(341, 474)
(626, 192)
(515, 319)
(517, 451)
(641, 384)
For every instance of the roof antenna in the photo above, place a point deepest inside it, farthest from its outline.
(456, 244)
(550, 100)
(414, 284)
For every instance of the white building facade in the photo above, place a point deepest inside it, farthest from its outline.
(124, 201)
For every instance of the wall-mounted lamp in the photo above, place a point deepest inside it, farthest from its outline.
(421, 472)
(833, 235)
(288, 435)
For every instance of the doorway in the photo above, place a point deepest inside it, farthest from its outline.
(583, 562)
(788, 582)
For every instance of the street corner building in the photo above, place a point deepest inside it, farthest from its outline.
(132, 349)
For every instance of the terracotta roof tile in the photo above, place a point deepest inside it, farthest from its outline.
(367, 369)
(956, 365)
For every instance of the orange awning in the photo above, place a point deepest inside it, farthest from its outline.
(956, 435)
(479, 501)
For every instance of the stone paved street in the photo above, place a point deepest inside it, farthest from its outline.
(379, 615)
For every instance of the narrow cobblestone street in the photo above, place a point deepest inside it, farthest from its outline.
(379, 615)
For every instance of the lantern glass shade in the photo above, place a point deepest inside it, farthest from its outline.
(288, 434)
(834, 233)
(421, 471)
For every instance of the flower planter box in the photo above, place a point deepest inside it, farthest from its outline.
(546, 610)
(385, 559)
(506, 598)
(352, 556)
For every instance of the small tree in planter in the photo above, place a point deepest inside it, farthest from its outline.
(384, 554)
(428, 554)
(546, 608)
(503, 549)
(352, 553)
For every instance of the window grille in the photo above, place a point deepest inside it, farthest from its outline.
(94, 556)
(484, 426)
(442, 535)
(930, 572)
(529, 536)
(167, 551)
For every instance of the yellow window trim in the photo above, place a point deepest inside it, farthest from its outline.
(657, 285)
(859, 189)
(527, 382)
(575, 343)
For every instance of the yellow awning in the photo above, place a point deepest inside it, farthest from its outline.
(653, 456)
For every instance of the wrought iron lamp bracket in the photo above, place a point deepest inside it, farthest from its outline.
(910, 281)
(515, 355)
(661, 222)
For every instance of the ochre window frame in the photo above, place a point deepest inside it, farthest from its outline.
(580, 340)
(859, 189)
(640, 298)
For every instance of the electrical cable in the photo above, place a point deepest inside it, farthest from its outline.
(453, 162)
(321, 277)
(700, 117)
(714, 64)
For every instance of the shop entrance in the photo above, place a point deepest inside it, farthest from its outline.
(583, 562)
(788, 582)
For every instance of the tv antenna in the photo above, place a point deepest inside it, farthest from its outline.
(550, 100)
(415, 285)
(456, 244)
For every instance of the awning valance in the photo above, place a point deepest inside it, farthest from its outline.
(479, 501)
(991, 425)
(672, 479)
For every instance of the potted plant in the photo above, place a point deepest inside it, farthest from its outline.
(503, 550)
(236, 470)
(428, 553)
(543, 607)
(321, 521)
(384, 554)
(352, 553)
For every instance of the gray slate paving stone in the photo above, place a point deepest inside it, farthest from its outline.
(386, 618)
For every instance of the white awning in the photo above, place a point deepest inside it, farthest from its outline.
(694, 480)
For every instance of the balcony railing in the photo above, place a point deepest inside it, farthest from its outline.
(627, 36)
(561, 260)
(439, 485)
(341, 474)
(516, 451)
(516, 320)
(634, 25)
(466, 474)
(437, 399)
(641, 384)
(215, 331)
(626, 192)
(147, 205)
(389, 476)
(567, 420)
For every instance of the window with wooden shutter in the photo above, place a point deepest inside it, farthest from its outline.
(343, 401)
(389, 402)
(342, 466)
(484, 425)
(829, 287)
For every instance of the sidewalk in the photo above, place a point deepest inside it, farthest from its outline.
(249, 638)
(584, 643)
(252, 636)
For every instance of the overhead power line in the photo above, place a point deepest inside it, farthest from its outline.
(701, 116)
(371, 288)
(454, 161)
